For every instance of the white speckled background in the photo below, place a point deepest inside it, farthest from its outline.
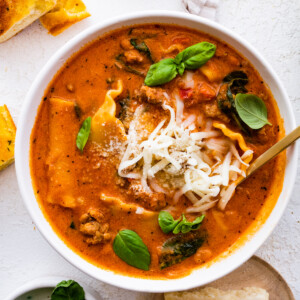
(272, 26)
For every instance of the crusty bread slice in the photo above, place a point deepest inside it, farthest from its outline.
(65, 13)
(7, 137)
(15, 15)
(208, 293)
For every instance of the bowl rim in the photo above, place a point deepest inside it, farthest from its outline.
(220, 268)
(45, 283)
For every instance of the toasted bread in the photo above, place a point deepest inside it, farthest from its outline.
(208, 293)
(7, 138)
(15, 15)
(65, 13)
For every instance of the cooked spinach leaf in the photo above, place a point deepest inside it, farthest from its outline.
(83, 133)
(126, 112)
(77, 110)
(130, 31)
(68, 290)
(168, 224)
(235, 82)
(142, 47)
(252, 110)
(72, 225)
(180, 247)
(191, 58)
(120, 59)
(130, 248)
(239, 77)
(124, 103)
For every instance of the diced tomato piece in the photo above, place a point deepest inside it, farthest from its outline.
(185, 93)
(206, 92)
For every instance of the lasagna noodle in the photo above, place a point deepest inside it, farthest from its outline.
(104, 123)
(234, 136)
(117, 204)
(63, 127)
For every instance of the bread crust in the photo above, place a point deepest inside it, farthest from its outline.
(209, 293)
(15, 15)
(7, 137)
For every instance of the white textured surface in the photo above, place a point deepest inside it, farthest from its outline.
(272, 26)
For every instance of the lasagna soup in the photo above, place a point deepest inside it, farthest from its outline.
(140, 144)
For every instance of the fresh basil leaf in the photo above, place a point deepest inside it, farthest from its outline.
(181, 68)
(168, 224)
(83, 133)
(68, 290)
(130, 248)
(188, 226)
(185, 226)
(252, 110)
(142, 47)
(191, 58)
(180, 247)
(161, 72)
(196, 56)
(166, 221)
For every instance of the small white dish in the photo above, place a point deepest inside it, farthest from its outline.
(41, 289)
(223, 265)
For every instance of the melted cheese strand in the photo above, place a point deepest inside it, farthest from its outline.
(207, 162)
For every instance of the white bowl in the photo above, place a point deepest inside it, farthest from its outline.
(43, 287)
(200, 276)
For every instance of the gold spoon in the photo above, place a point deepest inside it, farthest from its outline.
(272, 152)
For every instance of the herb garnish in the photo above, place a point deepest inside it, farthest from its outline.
(252, 110)
(191, 58)
(182, 225)
(83, 133)
(68, 290)
(130, 248)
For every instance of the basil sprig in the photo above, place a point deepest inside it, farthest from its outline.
(190, 58)
(252, 110)
(68, 290)
(185, 226)
(167, 222)
(130, 248)
(83, 133)
(182, 225)
(161, 72)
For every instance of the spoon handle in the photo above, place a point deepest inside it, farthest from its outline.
(273, 151)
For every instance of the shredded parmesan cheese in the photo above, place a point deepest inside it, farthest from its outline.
(207, 162)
